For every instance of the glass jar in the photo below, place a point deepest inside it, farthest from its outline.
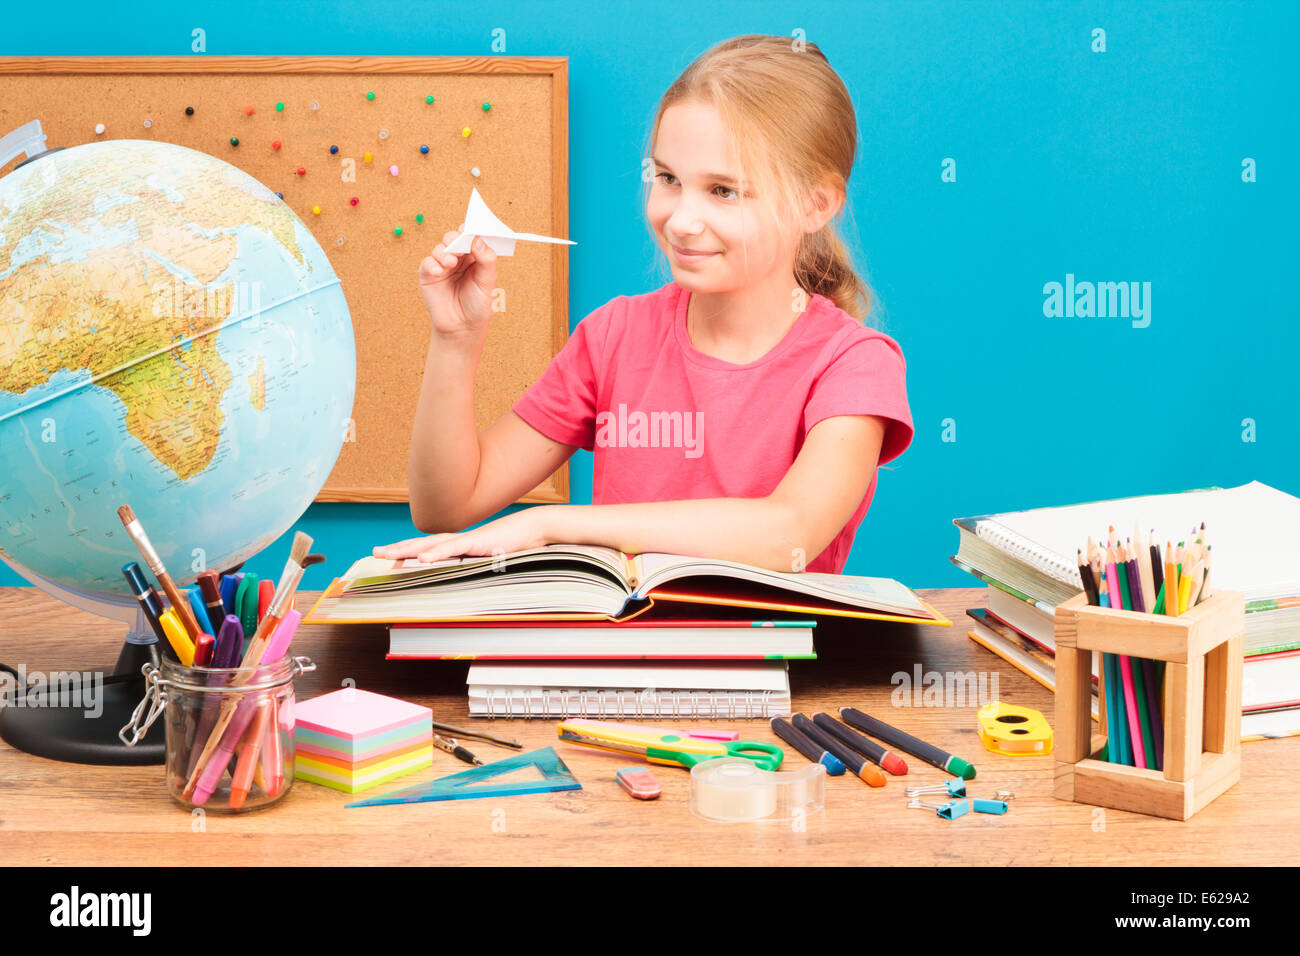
(229, 731)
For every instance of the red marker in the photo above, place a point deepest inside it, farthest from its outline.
(265, 591)
(204, 645)
(863, 745)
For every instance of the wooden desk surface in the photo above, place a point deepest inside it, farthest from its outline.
(56, 813)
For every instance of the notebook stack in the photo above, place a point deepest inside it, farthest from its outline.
(1029, 559)
(352, 739)
(583, 631)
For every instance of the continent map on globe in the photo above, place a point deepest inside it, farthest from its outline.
(171, 337)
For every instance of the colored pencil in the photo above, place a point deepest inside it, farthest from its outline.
(1085, 575)
(1131, 712)
(1156, 707)
(1171, 581)
(1157, 566)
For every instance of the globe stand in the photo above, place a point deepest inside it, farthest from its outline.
(55, 721)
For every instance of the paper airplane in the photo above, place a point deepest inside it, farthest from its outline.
(481, 222)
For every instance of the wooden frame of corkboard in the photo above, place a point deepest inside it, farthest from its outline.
(520, 147)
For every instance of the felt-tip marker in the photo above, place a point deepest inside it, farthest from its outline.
(907, 743)
(868, 748)
(807, 746)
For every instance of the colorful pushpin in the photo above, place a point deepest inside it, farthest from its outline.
(475, 172)
(279, 107)
(393, 169)
(334, 150)
(99, 129)
(370, 96)
(275, 144)
(315, 210)
(313, 105)
(248, 111)
(397, 230)
(465, 133)
(383, 134)
(354, 200)
(189, 111)
(428, 99)
(419, 217)
(339, 241)
(281, 195)
(486, 107)
(148, 123)
(301, 171)
(424, 149)
(367, 157)
(234, 141)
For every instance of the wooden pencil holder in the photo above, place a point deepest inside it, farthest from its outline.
(1202, 649)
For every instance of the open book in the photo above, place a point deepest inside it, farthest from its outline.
(577, 582)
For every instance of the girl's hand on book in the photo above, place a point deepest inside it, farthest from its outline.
(520, 531)
(457, 289)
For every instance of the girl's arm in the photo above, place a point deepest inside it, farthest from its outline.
(455, 476)
(783, 531)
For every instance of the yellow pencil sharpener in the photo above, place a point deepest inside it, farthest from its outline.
(1014, 731)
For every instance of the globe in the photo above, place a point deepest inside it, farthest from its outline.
(173, 338)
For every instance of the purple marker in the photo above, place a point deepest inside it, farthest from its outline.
(230, 639)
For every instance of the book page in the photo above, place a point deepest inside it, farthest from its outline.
(378, 573)
(869, 593)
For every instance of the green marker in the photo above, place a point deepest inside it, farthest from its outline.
(246, 608)
(907, 743)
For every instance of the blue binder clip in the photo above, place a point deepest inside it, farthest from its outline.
(989, 806)
(949, 811)
(956, 787)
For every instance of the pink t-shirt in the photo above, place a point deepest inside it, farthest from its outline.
(667, 422)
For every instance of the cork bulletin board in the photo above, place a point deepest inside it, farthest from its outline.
(519, 147)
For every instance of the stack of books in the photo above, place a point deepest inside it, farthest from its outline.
(1029, 559)
(567, 630)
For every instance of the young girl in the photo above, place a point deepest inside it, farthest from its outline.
(739, 412)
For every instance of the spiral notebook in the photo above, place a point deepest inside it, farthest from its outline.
(601, 690)
(1254, 529)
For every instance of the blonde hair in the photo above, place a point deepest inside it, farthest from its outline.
(780, 99)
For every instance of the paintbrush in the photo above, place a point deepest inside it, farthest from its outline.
(179, 601)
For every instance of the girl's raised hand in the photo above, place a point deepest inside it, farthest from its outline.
(457, 289)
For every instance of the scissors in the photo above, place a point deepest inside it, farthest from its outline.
(665, 746)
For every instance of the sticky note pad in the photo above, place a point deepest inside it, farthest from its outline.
(354, 714)
(351, 739)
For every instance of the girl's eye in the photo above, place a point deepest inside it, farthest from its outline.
(667, 176)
